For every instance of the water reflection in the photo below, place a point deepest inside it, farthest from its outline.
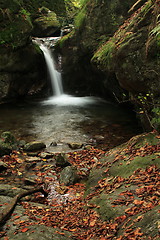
(61, 123)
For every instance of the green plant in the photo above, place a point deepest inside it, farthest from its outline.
(104, 55)
(79, 19)
(26, 15)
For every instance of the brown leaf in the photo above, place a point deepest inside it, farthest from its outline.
(24, 230)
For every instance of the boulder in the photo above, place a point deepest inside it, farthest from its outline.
(68, 176)
(7, 143)
(47, 24)
(3, 166)
(75, 145)
(34, 146)
(61, 159)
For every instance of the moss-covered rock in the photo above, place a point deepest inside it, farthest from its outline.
(47, 24)
(22, 68)
(122, 187)
(94, 24)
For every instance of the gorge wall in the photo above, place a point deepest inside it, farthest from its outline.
(115, 51)
(22, 67)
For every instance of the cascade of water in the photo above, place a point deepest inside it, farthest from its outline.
(55, 76)
(59, 97)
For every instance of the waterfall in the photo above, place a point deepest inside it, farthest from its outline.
(55, 76)
(59, 98)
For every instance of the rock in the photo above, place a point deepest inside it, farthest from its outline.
(53, 144)
(7, 143)
(33, 159)
(30, 180)
(46, 155)
(3, 166)
(47, 24)
(99, 137)
(4, 149)
(68, 176)
(8, 138)
(34, 231)
(34, 146)
(61, 160)
(9, 190)
(75, 145)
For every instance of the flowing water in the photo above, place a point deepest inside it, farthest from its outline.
(63, 118)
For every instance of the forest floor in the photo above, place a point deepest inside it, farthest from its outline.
(81, 211)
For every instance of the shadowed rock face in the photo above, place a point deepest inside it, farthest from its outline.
(22, 68)
(113, 52)
(97, 21)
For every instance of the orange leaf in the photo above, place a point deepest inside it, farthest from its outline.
(138, 202)
(92, 223)
(24, 230)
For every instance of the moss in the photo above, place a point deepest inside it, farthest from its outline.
(50, 19)
(14, 34)
(64, 39)
(126, 168)
(104, 206)
(104, 55)
(80, 18)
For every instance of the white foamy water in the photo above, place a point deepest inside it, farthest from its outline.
(68, 100)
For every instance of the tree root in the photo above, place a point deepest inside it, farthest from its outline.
(6, 213)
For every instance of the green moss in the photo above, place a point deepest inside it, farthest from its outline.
(50, 19)
(80, 18)
(126, 168)
(104, 55)
(105, 209)
(14, 34)
(64, 39)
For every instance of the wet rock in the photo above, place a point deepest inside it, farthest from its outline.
(61, 160)
(32, 159)
(34, 146)
(30, 181)
(75, 145)
(53, 144)
(68, 175)
(30, 165)
(7, 143)
(99, 137)
(8, 138)
(88, 147)
(9, 190)
(4, 149)
(46, 155)
(3, 166)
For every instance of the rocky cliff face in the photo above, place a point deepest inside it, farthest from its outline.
(122, 55)
(94, 24)
(21, 63)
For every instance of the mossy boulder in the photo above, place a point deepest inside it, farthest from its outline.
(7, 143)
(118, 188)
(34, 146)
(22, 68)
(94, 24)
(47, 24)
